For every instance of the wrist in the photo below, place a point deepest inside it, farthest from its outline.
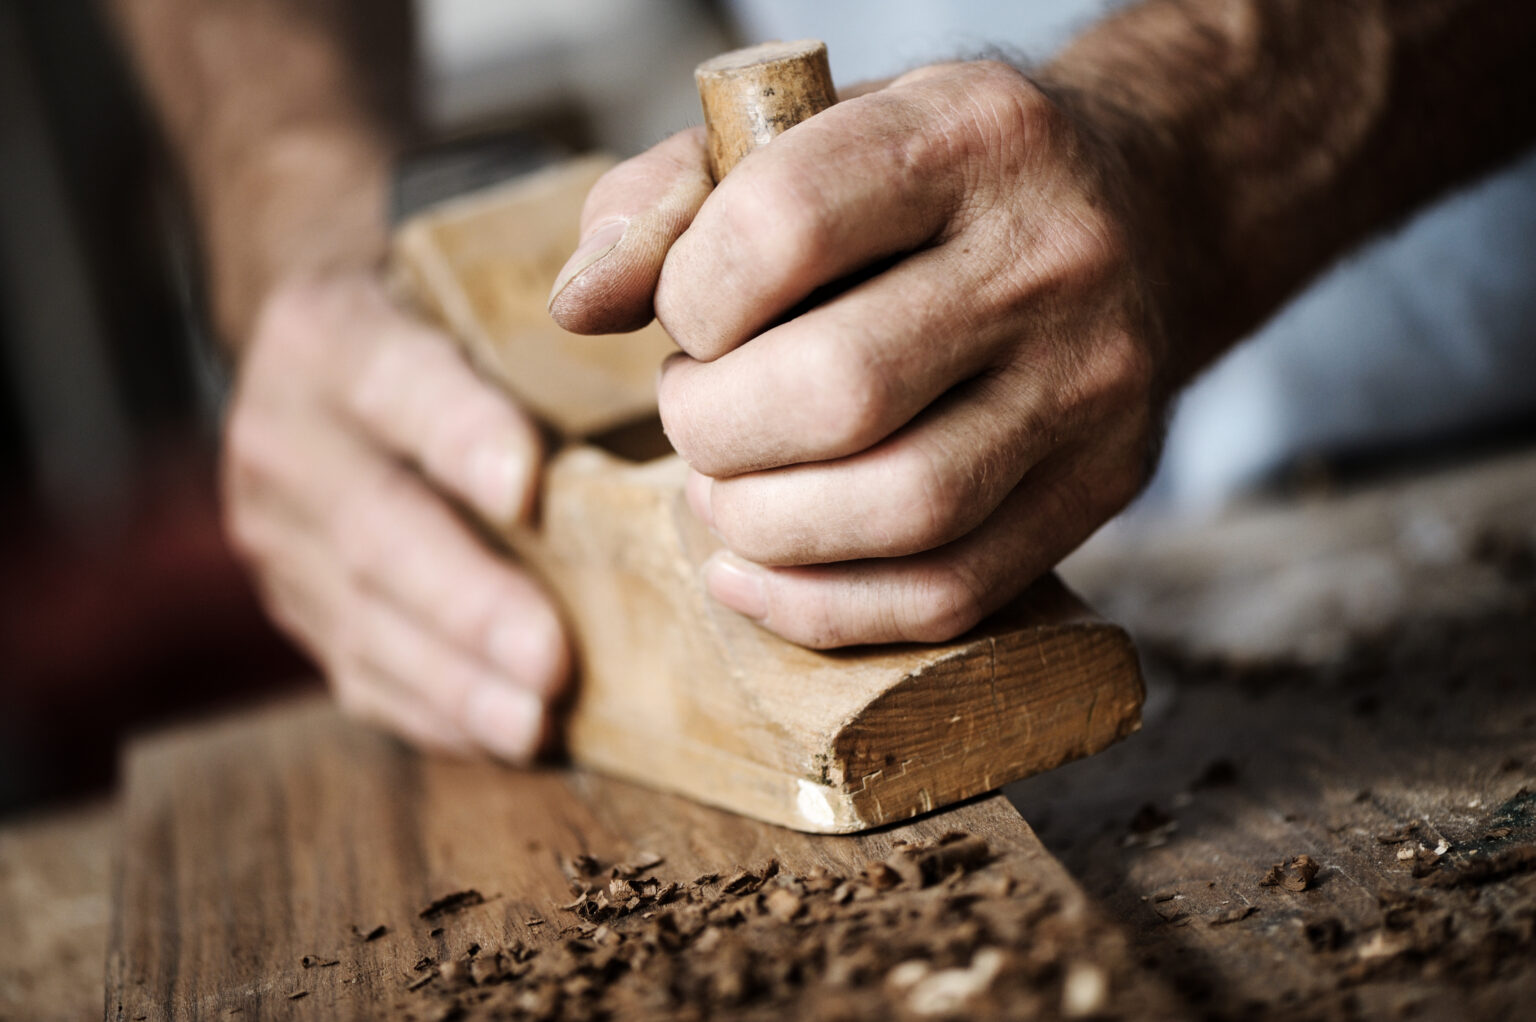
(309, 202)
(1140, 177)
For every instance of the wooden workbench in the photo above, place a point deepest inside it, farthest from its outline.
(1349, 677)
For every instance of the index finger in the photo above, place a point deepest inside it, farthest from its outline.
(630, 219)
(857, 183)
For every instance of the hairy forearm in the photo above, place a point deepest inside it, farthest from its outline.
(285, 115)
(1268, 137)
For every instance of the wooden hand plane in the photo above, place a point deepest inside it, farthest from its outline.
(674, 690)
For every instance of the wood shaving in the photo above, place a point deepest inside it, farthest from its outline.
(448, 904)
(924, 933)
(1231, 915)
(1295, 874)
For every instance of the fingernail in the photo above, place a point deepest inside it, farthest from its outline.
(698, 490)
(593, 247)
(530, 647)
(737, 583)
(498, 481)
(506, 721)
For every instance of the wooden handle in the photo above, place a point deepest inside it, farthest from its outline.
(752, 95)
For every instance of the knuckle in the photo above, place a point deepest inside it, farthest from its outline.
(782, 214)
(260, 467)
(248, 469)
(360, 524)
(1087, 246)
(473, 414)
(1112, 374)
(675, 305)
(1023, 110)
(797, 226)
(755, 516)
(393, 369)
(1006, 115)
(850, 399)
(471, 612)
(1076, 247)
(922, 505)
(766, 238)
(1119, 371)
(696, 421)
(938, 506)
(287, 328)
(760, 531)
(949, 600)
(674, 405)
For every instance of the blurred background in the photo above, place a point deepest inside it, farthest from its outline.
(120, 603)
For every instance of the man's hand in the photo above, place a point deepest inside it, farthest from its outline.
(349, 419)
(896, 460)
(353, 425)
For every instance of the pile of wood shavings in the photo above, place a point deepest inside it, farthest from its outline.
(927, 933)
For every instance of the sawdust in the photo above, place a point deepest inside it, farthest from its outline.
(932, 931)
(1394, 767)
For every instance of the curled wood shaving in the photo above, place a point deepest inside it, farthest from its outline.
(451, 903)
(1295, 874)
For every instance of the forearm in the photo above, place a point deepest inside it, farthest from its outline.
(285, 116)
(1267, 137)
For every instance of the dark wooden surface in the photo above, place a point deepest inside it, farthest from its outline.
(251, 843)
(54, 909)
(1337, 769)
(1324, 678)
(1344, 689)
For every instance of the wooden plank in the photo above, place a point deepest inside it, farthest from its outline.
(1413, 724)
(251, 843)
(54, 910)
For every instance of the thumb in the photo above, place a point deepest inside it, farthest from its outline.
(631, 218)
